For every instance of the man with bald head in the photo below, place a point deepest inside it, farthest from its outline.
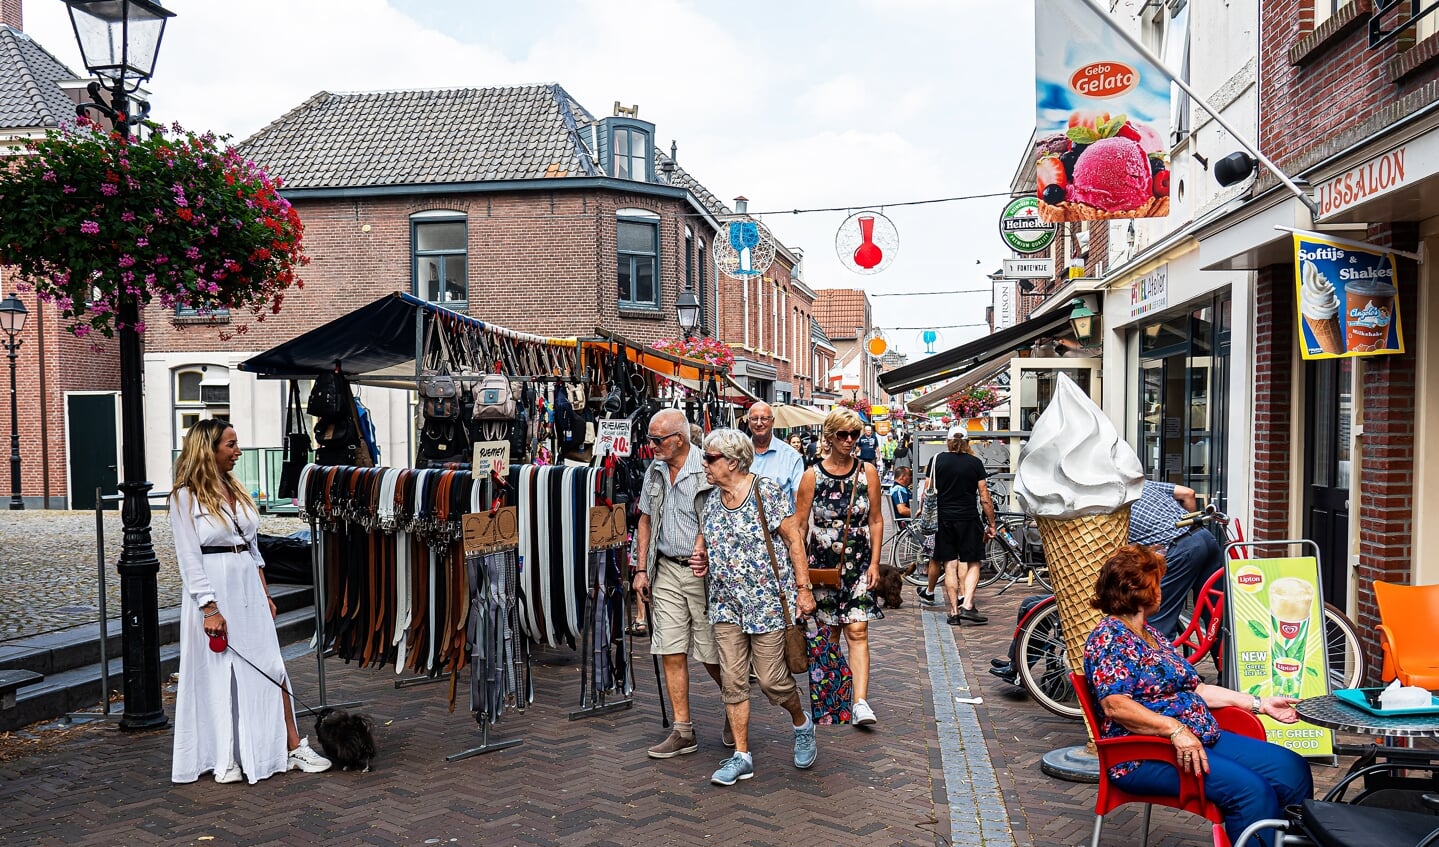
(772, 457)
(674, 494)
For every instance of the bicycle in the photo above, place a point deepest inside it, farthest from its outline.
(1044, 672)
(1014, 553)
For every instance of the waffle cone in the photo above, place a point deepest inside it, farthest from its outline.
(1327, 333)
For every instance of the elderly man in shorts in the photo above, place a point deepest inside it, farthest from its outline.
(674, 494)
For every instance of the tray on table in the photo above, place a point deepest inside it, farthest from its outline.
(1367, 699)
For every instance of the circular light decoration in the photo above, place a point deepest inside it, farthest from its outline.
(876, 345)
(744, 248)
(931, 340)
(866, 242)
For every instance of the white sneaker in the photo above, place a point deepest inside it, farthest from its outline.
(307, 760)
(229, 775)
(863, 715)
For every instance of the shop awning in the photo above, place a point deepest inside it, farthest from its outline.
(956, 360)
(940, 396)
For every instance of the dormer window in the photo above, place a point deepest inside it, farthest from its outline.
(631, 146)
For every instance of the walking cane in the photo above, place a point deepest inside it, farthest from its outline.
(659, 680)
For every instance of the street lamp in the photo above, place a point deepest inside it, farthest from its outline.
(687, 307)
(119, 40)
(1084, 322)
(12, 321)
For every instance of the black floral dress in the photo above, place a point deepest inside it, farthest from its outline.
(853, 601)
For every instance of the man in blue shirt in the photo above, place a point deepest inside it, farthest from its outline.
(772, 457)
(899, 495)
(868, 446)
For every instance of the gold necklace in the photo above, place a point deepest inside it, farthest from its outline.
(1141, 632)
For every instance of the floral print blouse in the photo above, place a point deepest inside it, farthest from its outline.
(1117, 661)
(741, 580)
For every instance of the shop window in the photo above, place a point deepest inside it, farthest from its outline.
(439, 243)
(637, 242)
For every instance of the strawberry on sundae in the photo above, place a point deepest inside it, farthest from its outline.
(1101, 167)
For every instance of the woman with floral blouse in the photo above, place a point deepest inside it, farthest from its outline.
(744, 597)
(1145, 687)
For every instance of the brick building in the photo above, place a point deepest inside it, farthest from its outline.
(1344, 449)
(67, 389)
(847, 318)
(513, 204)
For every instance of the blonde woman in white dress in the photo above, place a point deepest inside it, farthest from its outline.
(229, 719)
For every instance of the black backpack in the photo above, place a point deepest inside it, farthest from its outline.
(325, 396)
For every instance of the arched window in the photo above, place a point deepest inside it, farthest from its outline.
(439, 243)
(198, 392)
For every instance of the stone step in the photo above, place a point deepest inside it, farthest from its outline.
(78, 688)
(78, 646)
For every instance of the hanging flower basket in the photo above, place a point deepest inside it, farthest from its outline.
(974, 401)
(707, 350)
(171, 217)
(861, 405)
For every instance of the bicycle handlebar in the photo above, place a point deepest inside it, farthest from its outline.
(1209, 514)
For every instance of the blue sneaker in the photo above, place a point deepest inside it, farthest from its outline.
(732, 770)
(805, 750)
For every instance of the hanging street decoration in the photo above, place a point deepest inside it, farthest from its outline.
(744, 249)
(930, 339)
(876, 345)
(866, 242)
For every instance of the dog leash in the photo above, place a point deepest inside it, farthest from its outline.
(220, 643)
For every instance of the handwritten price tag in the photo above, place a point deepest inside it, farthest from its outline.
(491, 456)
(614, 438)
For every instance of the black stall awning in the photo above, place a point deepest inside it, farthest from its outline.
(957, 360)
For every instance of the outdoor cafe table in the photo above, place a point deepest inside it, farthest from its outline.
(1329, 711)
(1332, 712)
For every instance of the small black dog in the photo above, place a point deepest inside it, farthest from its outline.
(890, 589)
(347, 738)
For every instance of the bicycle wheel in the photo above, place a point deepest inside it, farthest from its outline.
(1346, 656)
(905, 551)
(1041, 575)
(996, 562)
(1044, 670)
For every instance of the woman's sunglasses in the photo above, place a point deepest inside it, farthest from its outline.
(711, 458)
(848, 434)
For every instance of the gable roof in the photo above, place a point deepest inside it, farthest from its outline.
(840, 310)
(30, 97)
(430, 136)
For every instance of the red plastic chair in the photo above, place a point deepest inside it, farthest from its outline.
(1113, 751)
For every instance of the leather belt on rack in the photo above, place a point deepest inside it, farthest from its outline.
(212, 549)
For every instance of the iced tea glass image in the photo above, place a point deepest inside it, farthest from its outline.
(1290, 602)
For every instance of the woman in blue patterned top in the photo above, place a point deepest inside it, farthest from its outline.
(744, 596)
(1145, 687)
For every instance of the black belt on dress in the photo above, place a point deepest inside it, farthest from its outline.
(224, 548)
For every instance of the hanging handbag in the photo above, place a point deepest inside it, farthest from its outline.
(297, 446)
(796, 646)
(830, 576)
(929, 511)
(325, 395)
(439, 395)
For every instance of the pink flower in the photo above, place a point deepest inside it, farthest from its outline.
(127, 216)
(108, 189)
(89, 227)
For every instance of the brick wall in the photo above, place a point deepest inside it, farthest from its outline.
(12, 13)
(1385, 486)
(1274, 342)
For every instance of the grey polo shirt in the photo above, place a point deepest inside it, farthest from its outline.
(679, 523)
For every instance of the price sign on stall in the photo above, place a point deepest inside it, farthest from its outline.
(614, 438)
(491, 457)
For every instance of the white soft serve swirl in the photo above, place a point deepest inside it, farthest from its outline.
(1316, 294)
(1075, 463)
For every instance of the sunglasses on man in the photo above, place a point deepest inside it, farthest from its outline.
(659, 439)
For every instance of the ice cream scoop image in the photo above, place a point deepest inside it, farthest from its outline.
(1075, 464)
(1112, 174)
(1320, 308)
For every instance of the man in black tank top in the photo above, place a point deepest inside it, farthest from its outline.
(958, 478)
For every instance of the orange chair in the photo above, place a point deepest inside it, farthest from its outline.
(1408, 630)
(1131, 748)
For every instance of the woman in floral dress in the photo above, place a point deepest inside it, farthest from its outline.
(841, 496)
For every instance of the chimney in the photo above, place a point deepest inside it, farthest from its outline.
(12, 13)
(741, 205)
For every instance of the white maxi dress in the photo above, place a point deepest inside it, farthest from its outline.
(225, 712)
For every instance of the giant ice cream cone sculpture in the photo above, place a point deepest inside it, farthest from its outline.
(1077, 477)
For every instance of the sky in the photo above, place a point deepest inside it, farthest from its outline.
(799, 104)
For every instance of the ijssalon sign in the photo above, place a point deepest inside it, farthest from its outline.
(1348, 302)
(1376, 176)
(1102, 120)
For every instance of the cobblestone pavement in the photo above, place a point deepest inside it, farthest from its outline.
(48, 575)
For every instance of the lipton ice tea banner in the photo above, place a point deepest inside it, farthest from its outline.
(1348, 305)
(1276, 621)
(1102, 120)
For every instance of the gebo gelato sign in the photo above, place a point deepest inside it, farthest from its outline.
(1348, 304)
(1102, 120)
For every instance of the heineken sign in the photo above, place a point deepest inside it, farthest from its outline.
(1021, 228)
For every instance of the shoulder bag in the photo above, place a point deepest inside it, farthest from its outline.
(297, 446)
(796, 646)
(830, 576)
(929, 511)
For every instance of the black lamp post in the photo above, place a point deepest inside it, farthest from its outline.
(12, 321)
(119, 40)
(687, 307)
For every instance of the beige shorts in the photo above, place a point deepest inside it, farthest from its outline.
(681, 623)
(738, 650)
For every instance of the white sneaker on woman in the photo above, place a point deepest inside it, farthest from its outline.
(307, 760)
(862, 714)
(229, 775)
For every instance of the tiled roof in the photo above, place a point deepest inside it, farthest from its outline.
(682, 179)
(432, 136)
(839, 311)
(816, 332)
(29, 95)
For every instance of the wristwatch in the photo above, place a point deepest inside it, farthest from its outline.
(1257, 706)
(808, 586)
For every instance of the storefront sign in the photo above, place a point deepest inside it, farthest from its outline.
(1006, 303)
(1102, 120)
(1150, 292)
(1021, 228)
(613, 438)
(1275, 613)
(1348, 305)
(1028, 268)
(1379, 175)
(491, 457)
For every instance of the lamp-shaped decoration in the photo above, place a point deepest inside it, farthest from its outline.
(119, 39)
(1084, 322)
(12, 316)
(687, 309)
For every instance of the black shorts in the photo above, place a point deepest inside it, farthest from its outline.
(962, 539)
